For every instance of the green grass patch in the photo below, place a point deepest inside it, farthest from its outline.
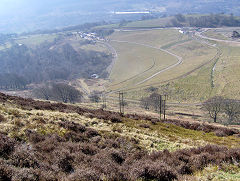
(137, 60)
(220, 173)
(172, 137)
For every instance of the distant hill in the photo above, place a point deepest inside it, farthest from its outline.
(24, 15)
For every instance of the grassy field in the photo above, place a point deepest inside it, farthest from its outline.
(198, 58)
(195, 87)
(136, 62)
(135, 56)
(153, 23)
(156, 38)
(227, 72)
(207, 81)
(217, 35)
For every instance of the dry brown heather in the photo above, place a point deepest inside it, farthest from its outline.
(34, 146)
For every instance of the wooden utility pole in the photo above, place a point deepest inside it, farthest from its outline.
(121, 103)
(166, 97)
(160, 106)
(104, 101)
(164, 108)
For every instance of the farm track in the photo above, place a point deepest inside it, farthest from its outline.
(135, 76)
(199, 34)
(152, 76)
(172, 66)
(160, 49)
(199, 38)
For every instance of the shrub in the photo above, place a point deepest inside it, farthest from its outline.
(91, 133)
(117, 157)
(6, 171)
(89, 149)
(21, 157)
(73, 126)
(25, 174)
(48, 145)
(65, 163)
(33, 136)
(149, 170)
(6, 146)
(220, 133)
(154, 121)
(85, 174)
(75, 137)
(115, 119)
(144, 126)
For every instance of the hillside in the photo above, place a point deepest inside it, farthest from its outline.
(51, 57)
(52, 141)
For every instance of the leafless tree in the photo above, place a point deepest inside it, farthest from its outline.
(66, 93)
(145, 103)
(155, 100)
(214, 106)
(231, 108)
(95, 97)
(43, 92)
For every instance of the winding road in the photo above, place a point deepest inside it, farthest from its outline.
(180, 59)
(199, 34)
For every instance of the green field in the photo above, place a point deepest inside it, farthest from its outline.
(156, 38)
(138, 52)
(153, 23)
(217, 35)
(136, 62)
(227, 74)
(189, 81)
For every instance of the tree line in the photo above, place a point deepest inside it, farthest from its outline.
(58, 92)
(210, 21)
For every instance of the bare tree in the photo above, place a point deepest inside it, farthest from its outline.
(43, 92)
(155, 100)
(65, 93)
(94, 97)
(145, 103)
(214, 106)
(231, 108)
